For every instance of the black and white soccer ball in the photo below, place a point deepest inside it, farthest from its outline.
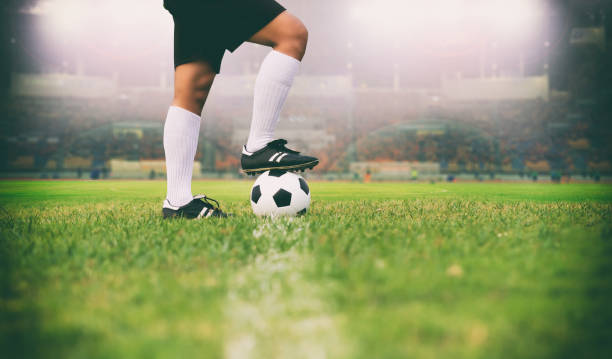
(280, 193)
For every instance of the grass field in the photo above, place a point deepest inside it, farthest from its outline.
(390, 270)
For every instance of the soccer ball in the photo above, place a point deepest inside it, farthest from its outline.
(280, 193)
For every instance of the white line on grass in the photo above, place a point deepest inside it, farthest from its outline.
(273, 311)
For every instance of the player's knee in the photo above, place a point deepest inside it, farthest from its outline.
(201, 89)
(194, 93)
(298, 35)
(296, 38)
(301, 37)
(199, 97)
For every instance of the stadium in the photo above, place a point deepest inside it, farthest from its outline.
(461, 205)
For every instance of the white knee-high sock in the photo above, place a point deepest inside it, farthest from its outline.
(181, 132)
(271, 88)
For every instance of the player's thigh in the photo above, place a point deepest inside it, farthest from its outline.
(285, 27)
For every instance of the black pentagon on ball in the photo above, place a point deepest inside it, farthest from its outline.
(302, 212)
(255, 194)
(304, 186)
(276, 173)
(282, 198)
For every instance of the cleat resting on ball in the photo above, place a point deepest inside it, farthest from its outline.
(275, 156)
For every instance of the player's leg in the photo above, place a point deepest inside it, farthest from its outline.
(196, 67)
(288, 38)
(182, 128)
(192, 83)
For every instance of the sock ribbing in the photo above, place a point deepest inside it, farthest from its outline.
(181, 132)
(272, 86)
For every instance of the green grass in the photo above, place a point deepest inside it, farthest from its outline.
(389, 270)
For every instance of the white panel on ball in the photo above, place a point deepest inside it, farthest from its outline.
(279, 193)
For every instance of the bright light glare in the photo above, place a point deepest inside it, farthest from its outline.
(98, 31)
(64, 16)
(512, 17)
(444, 17)
(110, 17)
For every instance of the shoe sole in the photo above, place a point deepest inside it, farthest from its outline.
(294, 168)
(171, 215)
(167, 213)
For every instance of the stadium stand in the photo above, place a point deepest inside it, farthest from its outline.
(41, 133)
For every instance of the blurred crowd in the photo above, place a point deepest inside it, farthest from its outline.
(505, 137)
(520, 137)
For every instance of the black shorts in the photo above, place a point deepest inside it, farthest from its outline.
(204, 29)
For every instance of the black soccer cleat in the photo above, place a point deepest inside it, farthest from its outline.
(198, 208)
(275, 156)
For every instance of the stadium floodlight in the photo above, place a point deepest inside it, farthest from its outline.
(40, 8)
(63, 16)
(80, 18)
(512, 18)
